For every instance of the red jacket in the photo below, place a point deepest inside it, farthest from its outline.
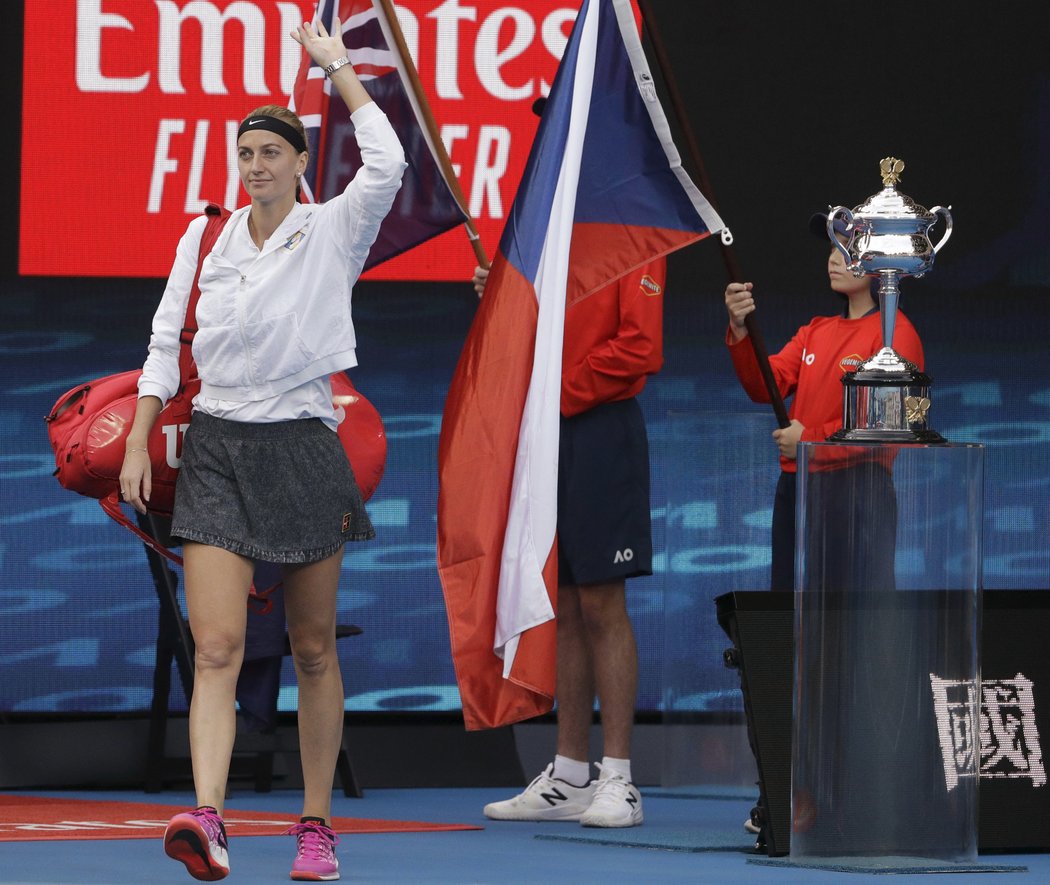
(613, 340)
(812, 364)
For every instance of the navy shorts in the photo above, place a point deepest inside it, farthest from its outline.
(604, 525)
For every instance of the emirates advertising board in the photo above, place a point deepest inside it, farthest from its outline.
(128, 114)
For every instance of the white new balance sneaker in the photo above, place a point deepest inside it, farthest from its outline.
(546, 798)
(616, 802)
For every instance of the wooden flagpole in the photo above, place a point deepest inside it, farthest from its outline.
(728, 255)
(432, 130)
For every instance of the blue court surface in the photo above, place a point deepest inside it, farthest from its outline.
(701, 840)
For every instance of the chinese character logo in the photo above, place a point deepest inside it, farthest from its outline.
(1009, 741)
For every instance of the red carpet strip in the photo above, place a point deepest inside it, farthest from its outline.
(41, 818)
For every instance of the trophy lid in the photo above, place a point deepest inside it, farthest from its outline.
(889, 202)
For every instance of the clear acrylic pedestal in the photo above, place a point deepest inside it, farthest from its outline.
(719, 474)
(886, 748)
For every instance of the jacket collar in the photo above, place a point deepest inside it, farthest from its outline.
(298, 219)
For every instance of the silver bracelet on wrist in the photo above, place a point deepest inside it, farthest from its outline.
(336, 65)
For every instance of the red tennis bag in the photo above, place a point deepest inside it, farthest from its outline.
(88, 428)
(89, 425)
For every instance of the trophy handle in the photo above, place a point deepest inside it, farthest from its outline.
(947, 216)
(848, 216)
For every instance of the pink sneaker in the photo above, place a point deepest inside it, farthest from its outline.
(315, 859)
(198, 839)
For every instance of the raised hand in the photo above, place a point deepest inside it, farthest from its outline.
(322, 47)
(325, 48)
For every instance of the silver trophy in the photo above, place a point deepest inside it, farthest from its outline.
(887, 398)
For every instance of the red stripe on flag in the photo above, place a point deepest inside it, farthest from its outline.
(476, 456)
(365, 69)
(603, 252)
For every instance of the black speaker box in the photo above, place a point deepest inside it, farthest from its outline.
(1015, 711)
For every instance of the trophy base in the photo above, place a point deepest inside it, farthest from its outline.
(883, 435)
(886, 406)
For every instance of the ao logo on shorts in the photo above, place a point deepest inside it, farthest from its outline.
(625, 555)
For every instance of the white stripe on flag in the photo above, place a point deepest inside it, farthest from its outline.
(644, 81)
(522, 599)
(362, 18)
(369, 55)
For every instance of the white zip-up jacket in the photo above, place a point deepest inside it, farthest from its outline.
(285, 320)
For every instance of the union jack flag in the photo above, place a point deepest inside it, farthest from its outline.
(426, 205)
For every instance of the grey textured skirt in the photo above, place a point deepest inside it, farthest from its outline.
(280, 492)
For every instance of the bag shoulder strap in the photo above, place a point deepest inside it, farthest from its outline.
(217, 218)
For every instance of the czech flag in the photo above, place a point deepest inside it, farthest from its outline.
(603, 193)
